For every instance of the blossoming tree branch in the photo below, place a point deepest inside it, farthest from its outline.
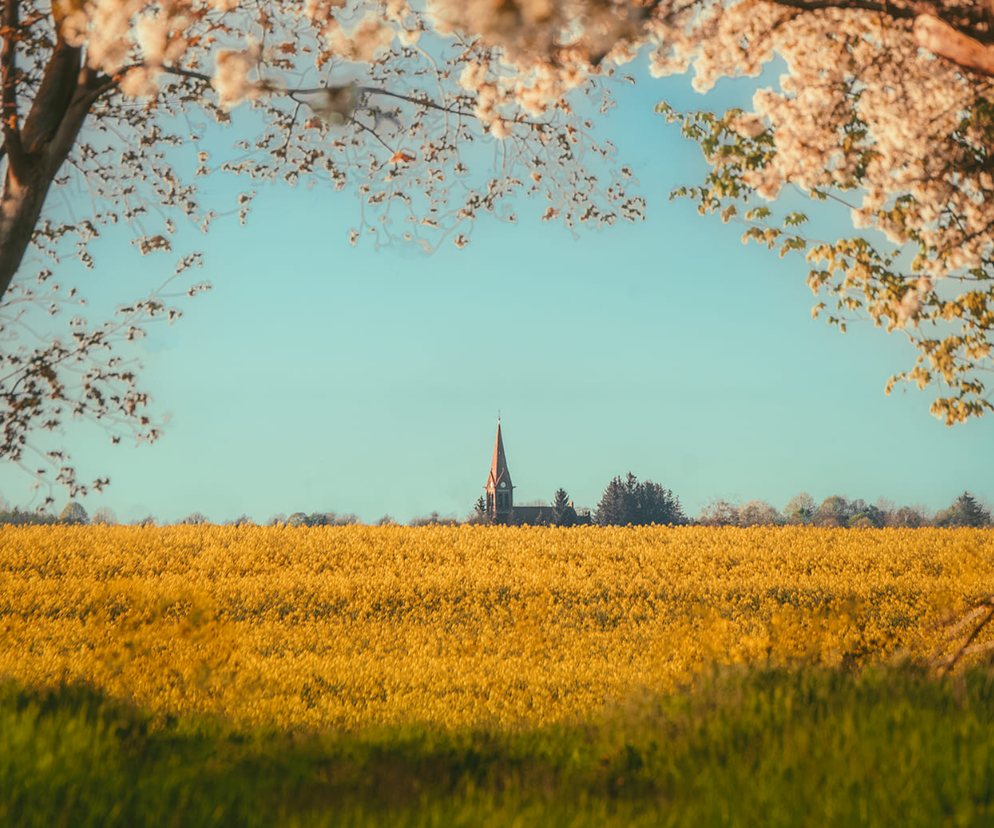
(115, 101)
(883, 108)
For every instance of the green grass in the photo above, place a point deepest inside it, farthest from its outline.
(744, 748)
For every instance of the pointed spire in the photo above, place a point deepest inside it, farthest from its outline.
(498, 466)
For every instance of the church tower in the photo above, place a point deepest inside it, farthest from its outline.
(500, 497)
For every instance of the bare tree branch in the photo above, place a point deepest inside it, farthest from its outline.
(18, 168)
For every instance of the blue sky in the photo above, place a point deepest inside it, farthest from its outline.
(317, 376)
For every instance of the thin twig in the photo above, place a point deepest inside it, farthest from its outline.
(976, 648)
(950, 661)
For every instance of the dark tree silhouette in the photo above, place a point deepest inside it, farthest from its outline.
(630, 502)
(965, 511)
(563, 513)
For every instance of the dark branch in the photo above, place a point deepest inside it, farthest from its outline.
(372, 132)
(183, 73)
(971, 19)
(424, 101)
(54, 95)
(375, 90)
(897, 12)
(8, 112)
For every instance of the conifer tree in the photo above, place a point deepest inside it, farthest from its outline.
(562, 510)
(613, 509)
(628, 501)
(965, 511)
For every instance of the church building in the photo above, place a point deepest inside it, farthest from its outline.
(500, 495)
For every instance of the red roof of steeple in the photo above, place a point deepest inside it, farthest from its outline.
(498, 466)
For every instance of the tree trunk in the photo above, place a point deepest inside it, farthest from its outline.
(20, 209)
(37, 151)
(943, 40)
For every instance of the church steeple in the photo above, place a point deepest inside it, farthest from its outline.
(500, 498)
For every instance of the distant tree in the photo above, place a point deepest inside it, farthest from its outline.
(909, 517)
(479, 514)
(855, 511)
(74, 514)
(193, 519)
(148, 520)
(244, 520)
(297, 519)
(876, 516)
(330, 519)
(719, 513)
(386, 520)
(864, 516)
(639, 504)
(800, 510)
(834, 511)
(563, 513)
(279, 519)
(965, 511)
(433, 520)
(615, 508)
(658, 505)
(758, 513)
(19, 518)
(887, 507)
(104, 516)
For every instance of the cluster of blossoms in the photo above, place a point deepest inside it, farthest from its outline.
(867, 115)
(885, 110)
(842, 118)
(140, 38)
(116, 32)
(346, 93)
(851, 74)
(905, 121)
(546, 50)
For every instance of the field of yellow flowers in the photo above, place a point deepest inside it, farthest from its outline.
(353, 626)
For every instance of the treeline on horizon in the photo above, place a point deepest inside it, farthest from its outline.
(631, 502)
(625, 501)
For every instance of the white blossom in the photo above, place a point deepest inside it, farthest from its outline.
(231, 75)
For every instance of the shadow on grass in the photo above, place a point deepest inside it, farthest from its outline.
(744, 747)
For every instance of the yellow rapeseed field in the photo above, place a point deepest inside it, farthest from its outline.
(353, 626)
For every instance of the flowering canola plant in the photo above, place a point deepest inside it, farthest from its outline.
(355, 626)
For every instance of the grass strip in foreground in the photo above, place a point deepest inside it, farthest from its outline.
(742, 748)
